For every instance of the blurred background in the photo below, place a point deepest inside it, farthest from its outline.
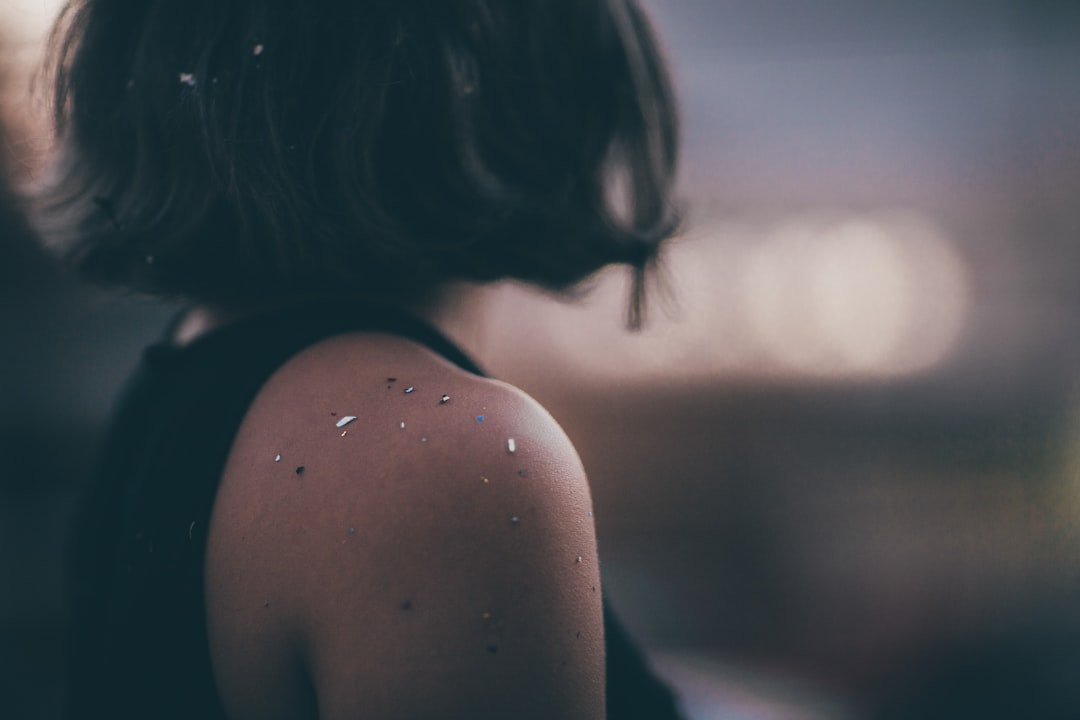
(836, 476)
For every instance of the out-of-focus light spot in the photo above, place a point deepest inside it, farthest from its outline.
(866, 296)
(861, 292)
(30, 17)
(772, 288)
(830, 296)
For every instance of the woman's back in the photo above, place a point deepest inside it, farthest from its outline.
(354, 562)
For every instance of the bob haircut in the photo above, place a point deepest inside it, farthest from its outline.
(225, 151)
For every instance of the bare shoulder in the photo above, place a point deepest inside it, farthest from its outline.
(414, 539)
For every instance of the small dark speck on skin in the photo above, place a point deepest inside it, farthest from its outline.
(493, 649)
(300, 470)
(266, 605)
(407, 605)
(515, 520)
(523, 473)
(579, 635)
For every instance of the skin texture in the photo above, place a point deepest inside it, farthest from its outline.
(413, 572)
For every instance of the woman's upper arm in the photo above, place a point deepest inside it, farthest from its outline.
(432, 559)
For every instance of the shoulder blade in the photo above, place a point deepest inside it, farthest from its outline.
(435, 556)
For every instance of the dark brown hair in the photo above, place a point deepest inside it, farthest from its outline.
(222, 150)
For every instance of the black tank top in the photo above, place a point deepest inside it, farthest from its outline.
(139, 644)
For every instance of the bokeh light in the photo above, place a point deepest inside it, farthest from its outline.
(825, 295)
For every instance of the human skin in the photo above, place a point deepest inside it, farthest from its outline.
(405, 572)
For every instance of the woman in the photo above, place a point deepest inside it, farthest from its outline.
(311, 504)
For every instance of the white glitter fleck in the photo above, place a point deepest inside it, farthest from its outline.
(515, 520)
(278, 458)
(511, 445)
(345, 420)
(257, 50)
(444, 399)
(402, 424)
(187, 79)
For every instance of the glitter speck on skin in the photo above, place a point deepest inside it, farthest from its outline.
(578, 560)
(278, 458)
(523, 472)
(300, 470)
(257, 50)
(410, 390)
(423, 440)
(402, 424)
(515, 520)
(511, 445)
(590, 513)
(479, 418)
(344, 433)
(345, 420)
(486, 481)
(352, 531)
(187, 79)
(486, 616)
(444, 399)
